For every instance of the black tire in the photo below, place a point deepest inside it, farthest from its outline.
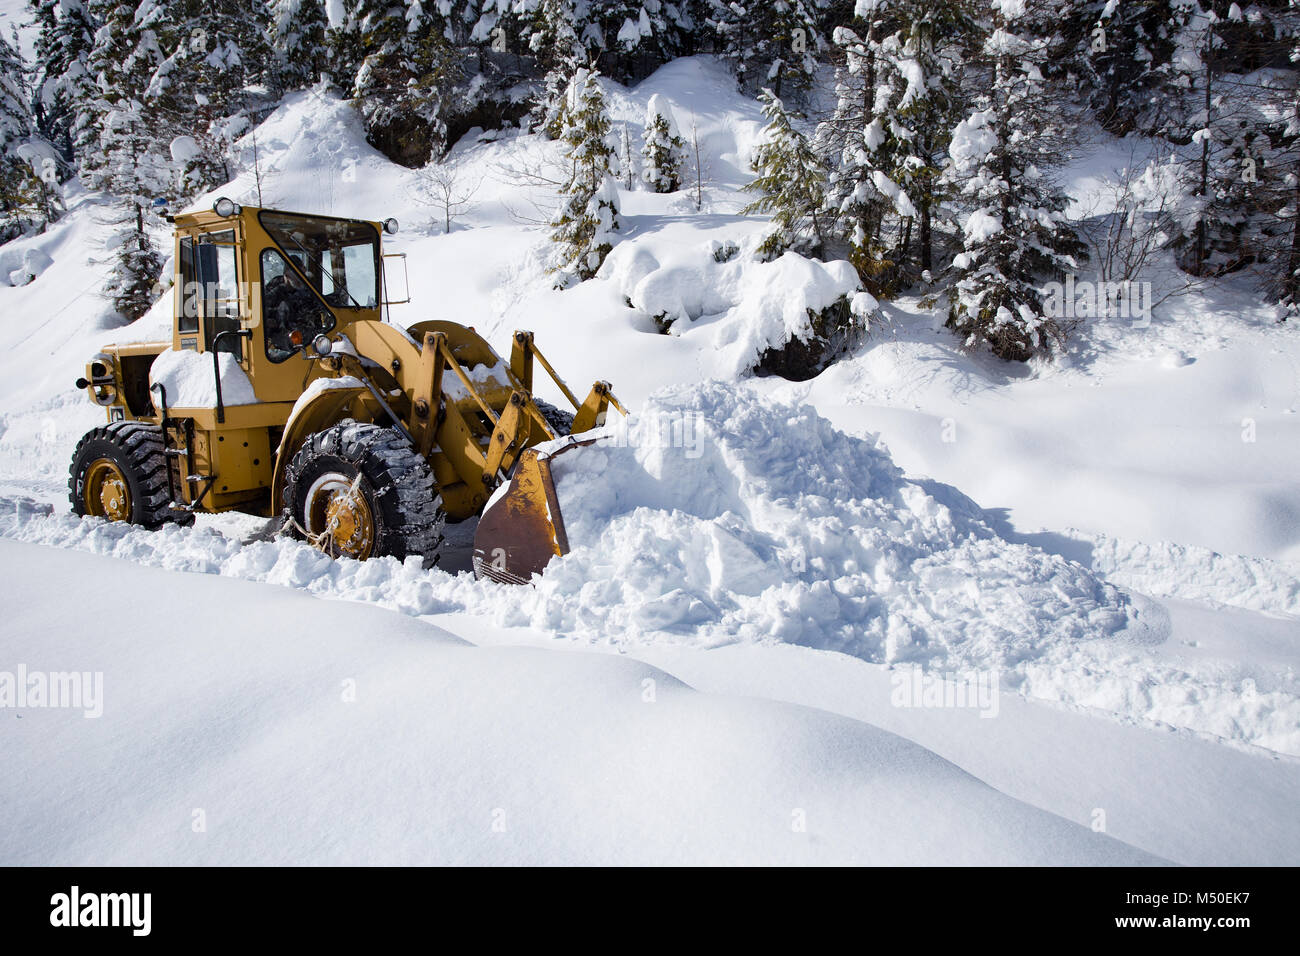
(561, 422)
(136, 448)
(396, 485)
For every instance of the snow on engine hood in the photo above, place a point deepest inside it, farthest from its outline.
(190, 382)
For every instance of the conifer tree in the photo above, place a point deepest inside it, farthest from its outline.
(20, 189)
(1015, 235)
(769, 44)
(640, 35)
(62, 84)
(1120, 51)
(137, 174)
(405, 79)
(664, 151)
(790, 185)
(588, 212)
(553, 38)
(126, 156)
(853, 139)
(298, 40)
(1228, 137)
(897, 98)
(920, 67)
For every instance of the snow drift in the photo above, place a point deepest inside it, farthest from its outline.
(421, 749)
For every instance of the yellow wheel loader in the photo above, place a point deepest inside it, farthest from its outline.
(284, 393)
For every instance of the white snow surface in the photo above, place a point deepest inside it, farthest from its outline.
(506, 755)
(1123, 552)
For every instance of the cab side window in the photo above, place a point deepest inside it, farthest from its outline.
(187, 318)
(213, 292)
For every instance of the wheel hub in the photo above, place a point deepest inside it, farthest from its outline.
(106, 493)
(339, 518)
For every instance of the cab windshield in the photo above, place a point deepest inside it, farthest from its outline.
(339, 257)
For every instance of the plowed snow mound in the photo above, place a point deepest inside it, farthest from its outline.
(720, 515)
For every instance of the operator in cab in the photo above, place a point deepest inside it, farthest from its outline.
(290, 310)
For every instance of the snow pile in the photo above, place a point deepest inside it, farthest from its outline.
(743, 306)
(731, 518)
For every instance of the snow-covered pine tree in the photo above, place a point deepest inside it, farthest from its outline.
(298, 32)
(554, 40)
(62, 82)
(920, 66)
(588, 212)
(769, 44)
(1119, 51)
(404, 81)
(125, 158)
(1230, 134)
(663, 151)
(852, 139)
(897, 98)
(1282, 175)
(122, 62)
(626, 160)
(343, 43)
(1016, 234)
(796, 43)
(790, 184)
(132, 284)
(136, 173)
(735, 36)
(19, 187)
(640, 35)
(215, 59)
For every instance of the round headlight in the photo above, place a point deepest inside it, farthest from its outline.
(322, 344)
(390, 226)
(225, 208)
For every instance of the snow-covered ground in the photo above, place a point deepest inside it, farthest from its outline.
(1105, 552)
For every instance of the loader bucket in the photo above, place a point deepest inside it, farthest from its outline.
(522, 528)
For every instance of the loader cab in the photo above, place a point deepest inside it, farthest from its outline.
(279, 278)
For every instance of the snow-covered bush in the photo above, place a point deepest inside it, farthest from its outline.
(791, 316)
(832, 332)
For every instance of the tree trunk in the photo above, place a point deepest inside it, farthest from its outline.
(1291, 281)
(924, 237)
